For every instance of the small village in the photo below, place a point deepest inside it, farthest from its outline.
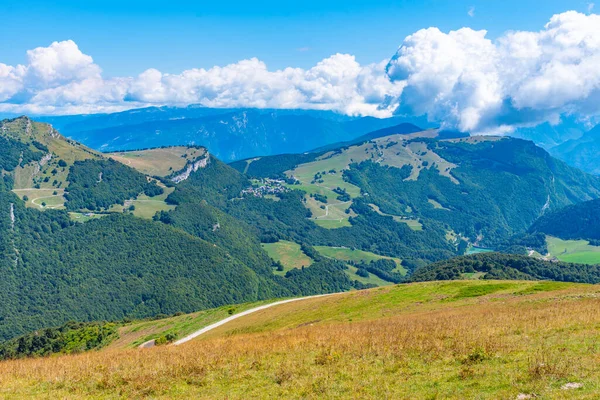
(264, 187)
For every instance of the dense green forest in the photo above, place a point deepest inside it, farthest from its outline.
(15, 153)
(55, 270)
(121, 266)
(578, 221)
(98, 184)
(523, 243)
(72, 337)
(507, 266)
(273, 166)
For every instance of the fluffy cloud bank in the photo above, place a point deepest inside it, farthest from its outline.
(473, 83)
(462, 79)
(62, 79)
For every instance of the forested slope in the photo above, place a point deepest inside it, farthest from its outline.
(507, 266)
(56, 270)
(503, 187)
(578, 221)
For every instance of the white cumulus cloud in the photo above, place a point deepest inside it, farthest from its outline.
(468, 81)
(62, 79)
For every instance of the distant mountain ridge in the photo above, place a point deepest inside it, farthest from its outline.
(582, 152)
(230, 134)
(568, 140)
(402, 129)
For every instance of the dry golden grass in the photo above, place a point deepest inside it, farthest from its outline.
(492, 347)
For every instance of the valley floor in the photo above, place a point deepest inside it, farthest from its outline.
(463, 339)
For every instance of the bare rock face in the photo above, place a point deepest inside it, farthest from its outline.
(192, 167)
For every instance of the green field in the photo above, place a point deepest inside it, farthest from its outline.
(372, 279)
(289, 254)
(84, 217)
(146, 207)
(345, 254)
(575, 251)
(61, 148)
(37, 197)
(413, 224)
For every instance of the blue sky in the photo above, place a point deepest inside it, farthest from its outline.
(478, 66)
(127, 37)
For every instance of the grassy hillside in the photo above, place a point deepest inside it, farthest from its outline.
(131, 335)
(48, 172)
(485, 340)
(325, 176)
(451, 188)
(160, 161)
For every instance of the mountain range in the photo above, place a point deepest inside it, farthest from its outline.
(105, 236)
(237, 133)
(230, 134)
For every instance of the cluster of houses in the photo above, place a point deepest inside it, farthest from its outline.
(265, 187)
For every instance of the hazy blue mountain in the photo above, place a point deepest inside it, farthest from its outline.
(582, 152)
(548, 136)
(228, 134)
(76, 123)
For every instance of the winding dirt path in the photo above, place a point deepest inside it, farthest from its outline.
(243, 313)
(208, 328)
